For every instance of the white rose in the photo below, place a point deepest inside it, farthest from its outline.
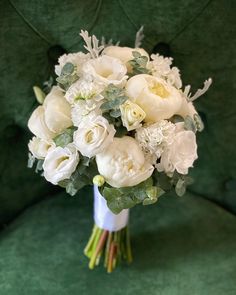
(155, 96)
(57, 111)
(124, 54)
(51, 118)
(60, 163)
(93, 135)
(106, 70)
(40, 147)
(181, 154)
(131, 115)
(38, 126)
(123, 164)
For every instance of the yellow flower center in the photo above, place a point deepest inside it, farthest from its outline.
(159, 89)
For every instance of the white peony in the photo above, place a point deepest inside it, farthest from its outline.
(154, 138)
(181, 154)
(124, 54)
(123, 163)
(131, 115)
(60, 163)
(40, 147)
(77, 59)
(106, 70)
(57, 111)
(83, 108)
(38, 126)
(155, 96)
(93, 135)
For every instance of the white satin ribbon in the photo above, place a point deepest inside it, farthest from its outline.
(103, 216)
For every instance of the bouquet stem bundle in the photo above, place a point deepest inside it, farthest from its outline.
(112, 247)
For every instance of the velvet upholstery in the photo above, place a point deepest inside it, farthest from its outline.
(181, 246)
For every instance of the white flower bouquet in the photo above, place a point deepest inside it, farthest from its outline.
(120, 120)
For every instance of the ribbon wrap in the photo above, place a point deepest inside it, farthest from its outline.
(103, 216)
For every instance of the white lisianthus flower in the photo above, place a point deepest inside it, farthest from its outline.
(131, 115)
(123, 163)
(93, 135)
(124, 54)
(40, 147)
(77, 59)
(57, 111)
(83, 89)
(154, 138)
(38, 126)
(181, 154)
(83, 108)
(106, 70)
(60, 163)
(155, 96)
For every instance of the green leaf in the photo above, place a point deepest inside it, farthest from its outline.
(189, 124)
(114, 103)
(115, 113)
(180, 187)
(39, 94)
(31, 160)
(116, 200)
(198, 122)
(68, 69)
(39, 166)
(64, 138)
(139, 64)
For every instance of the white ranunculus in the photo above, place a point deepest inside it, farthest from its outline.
(181, 154)
(131, 115)
(93, 135)
(155, 96)
(77, 59)
(83, 108)
(124, 54)
(60, 163)
(57, 111)
(40, 147)
(38, 126)
(123, 163)
(106, 70)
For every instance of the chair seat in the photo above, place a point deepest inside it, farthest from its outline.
(180, 246)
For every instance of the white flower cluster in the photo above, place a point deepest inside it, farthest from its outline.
(149, 100)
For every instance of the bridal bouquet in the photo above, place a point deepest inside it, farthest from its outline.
(120, 120)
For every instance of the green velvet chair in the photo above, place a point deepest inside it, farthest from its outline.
(181, 245)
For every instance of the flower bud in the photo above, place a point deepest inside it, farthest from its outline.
(98, 180)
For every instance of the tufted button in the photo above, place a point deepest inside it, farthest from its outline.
(230, 184)
(13, 133)
(55, 52)
(162, 48)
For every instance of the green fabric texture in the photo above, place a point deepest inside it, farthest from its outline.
(181, 246)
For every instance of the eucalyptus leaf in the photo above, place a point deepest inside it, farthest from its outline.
(189, 124)
(180, 187)
(64, 138)
(31, 160)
